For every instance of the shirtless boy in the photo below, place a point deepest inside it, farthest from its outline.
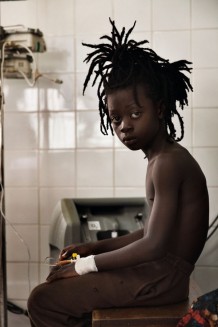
(138, 96)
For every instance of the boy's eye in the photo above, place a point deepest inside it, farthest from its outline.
(135, 114)
(115, 119)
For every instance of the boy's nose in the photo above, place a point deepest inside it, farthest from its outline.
(125, 126)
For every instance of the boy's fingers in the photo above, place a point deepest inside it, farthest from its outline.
(53, 271)
(63, 272)
(63, 255)
(53, 276)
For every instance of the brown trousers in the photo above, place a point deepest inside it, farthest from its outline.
(69, 302)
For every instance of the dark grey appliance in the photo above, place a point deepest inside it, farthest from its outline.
(88, 220)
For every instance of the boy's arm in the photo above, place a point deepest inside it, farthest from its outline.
(68, 271)
(167, 181)
(112, 244)
(102, 246)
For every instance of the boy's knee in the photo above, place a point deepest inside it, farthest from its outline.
(36, 298)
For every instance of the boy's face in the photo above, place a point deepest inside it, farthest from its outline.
(136, 125)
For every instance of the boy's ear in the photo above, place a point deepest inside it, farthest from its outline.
(160, 109)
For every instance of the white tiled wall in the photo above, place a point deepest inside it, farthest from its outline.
(53, 146)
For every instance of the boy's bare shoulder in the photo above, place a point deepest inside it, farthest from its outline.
(177, 168)
(179, 159)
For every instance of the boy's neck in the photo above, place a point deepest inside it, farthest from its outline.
(160, 144)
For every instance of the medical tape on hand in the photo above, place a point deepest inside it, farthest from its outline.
(85, 265)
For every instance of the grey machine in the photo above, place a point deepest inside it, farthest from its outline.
(89, 220)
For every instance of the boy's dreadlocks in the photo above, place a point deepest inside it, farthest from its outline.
(123, 62)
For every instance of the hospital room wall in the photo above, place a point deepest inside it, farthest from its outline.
(52, 144)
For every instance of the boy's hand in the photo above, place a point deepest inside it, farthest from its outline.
(59, 272)
(82, 249)
(67, 251)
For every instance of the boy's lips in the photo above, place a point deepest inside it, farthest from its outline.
(129, 140)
